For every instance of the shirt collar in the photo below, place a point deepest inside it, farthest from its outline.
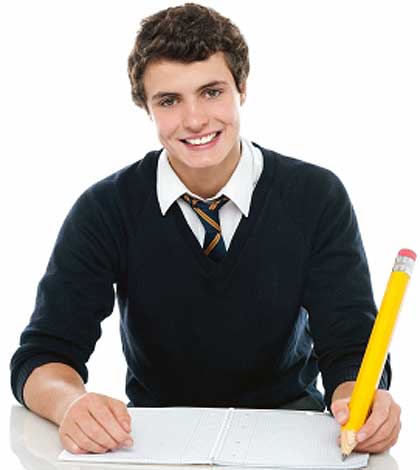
(238, 189)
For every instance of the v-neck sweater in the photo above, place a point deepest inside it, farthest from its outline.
(291, 298)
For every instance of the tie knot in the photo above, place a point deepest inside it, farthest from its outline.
(209, 206)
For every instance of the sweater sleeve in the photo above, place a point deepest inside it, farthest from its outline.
(73, 297)
(337, 290)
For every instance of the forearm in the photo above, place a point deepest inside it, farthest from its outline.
(51, 388)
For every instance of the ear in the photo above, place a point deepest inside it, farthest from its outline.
(242, 88)
(149, 114)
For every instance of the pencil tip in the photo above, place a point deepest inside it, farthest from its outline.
(343, 457)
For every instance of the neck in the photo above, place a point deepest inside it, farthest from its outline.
(207, 182)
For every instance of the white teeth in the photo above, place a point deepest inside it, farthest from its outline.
(203, 140)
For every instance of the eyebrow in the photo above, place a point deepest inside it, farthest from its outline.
(162, 94)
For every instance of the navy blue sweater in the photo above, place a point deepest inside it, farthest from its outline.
(291, 298)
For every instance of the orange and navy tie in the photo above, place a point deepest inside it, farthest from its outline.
(208, 213)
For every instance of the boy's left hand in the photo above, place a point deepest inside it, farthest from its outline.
(381, 430)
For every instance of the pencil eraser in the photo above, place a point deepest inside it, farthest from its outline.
(408, 253)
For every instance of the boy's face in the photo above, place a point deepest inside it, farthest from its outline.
(190, 101)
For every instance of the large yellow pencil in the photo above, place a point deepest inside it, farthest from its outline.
(376, 351)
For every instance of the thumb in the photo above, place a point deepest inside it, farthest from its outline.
(340, 410)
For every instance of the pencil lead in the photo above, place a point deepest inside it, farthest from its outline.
(343, 457)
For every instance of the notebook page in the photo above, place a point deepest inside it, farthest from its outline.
(165, 436)
(287, 439)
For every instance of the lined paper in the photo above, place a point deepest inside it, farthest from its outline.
(290, 439)
(231, 437)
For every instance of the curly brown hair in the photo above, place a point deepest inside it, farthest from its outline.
(186, 33)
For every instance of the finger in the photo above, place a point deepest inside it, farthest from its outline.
(119, 409)
(71, 446)
(76, 433)
(380, 413)
(386, 429)
(340, 410)
(107, 420)
(391, 427)
(97, 433)
(383, 445)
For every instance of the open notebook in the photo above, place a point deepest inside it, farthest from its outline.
(231, 437)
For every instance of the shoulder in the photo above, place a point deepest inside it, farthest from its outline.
(307, 192)
(294, 177)
(129, 186)
(119, 197)
(138, 177)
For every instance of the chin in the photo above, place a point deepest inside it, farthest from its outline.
(198, 163)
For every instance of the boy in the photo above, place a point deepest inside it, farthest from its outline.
(240, 273)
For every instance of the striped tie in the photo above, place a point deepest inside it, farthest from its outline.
(208, 212)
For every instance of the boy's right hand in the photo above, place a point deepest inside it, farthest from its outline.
(95, 423)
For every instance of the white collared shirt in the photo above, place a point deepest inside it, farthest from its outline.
(238, 189)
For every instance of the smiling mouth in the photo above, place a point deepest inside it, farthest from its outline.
(203, 140)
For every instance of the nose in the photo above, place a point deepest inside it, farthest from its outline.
(195, 117)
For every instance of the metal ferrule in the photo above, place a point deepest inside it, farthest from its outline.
(404, 264)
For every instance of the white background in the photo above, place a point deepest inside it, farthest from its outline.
(332, 82)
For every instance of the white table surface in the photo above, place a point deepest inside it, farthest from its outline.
(34, 444)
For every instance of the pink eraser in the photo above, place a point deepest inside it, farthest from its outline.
(407, 252)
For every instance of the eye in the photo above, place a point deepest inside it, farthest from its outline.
(213, 92)
(167, 102)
